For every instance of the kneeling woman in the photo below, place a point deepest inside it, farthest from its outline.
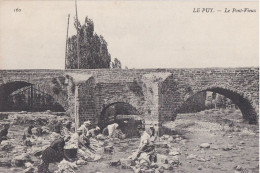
(54, 153)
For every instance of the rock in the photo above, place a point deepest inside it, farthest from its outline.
(4, 162)
(174, 153)
(191, 156)
(48, 112)
(28, 164)
(214, 147)
(115, 163)
(162, 159)
(174, 161)
(208, 159)
(205, 145)
(108, 149)
(162, 145)
(165, 136)
(36, 151)
(81, 162)
(200, 168)
(28, 143)
(242, 142)
(227, 148)
(16, 169)
(238, 168)
(34, 130)
(100, 137)
(6, 146)
(97, 157)
(149, 171)
(176, 136)
(170, 139)
(54, 136)
(201, 160)
(29, 170)
(45, 130)
(126, 163)
(20, 160)
(178, 139)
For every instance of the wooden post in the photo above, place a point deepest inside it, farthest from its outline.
(67, 42)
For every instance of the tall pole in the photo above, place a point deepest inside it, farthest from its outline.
(77, 32)
(67, 41)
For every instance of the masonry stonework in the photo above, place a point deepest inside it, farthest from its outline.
(157, 94)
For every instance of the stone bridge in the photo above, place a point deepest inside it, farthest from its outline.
(157, 94)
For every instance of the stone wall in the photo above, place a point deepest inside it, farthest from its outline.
(239, 85)
(86, 98)
(156, 93)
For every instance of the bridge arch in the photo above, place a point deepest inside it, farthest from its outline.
(242, 100)
(10, 87)
(125, 114)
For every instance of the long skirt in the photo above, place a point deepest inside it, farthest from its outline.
(49, 155)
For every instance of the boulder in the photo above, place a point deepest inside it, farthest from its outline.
(34, 130)
(162, 145)
(148, 171)
(227, 148)
(126, 163)
(162, 159)
(6, 146)
(100, 137)
(174, 161)
(81, 162)
(174, 153)
(201, 159)
(108, 149)
(48, 112)
(165, 137)
(4, 162)
(29, 170)
(170, 139)
(205, 145)
(238, 168)
(37, 151)
(45, 130)
(191, 156)
(20, 160)
(115, 163)
(242, 142)
(28, 164)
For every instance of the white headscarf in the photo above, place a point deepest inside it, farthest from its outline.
(111, 128)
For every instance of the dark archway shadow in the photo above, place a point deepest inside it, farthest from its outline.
(27, 98)
(122, 113)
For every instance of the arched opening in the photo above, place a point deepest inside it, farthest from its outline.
(244, 105)
(122, 113)
(24, 96)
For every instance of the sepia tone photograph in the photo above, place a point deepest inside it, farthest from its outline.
(121, 86)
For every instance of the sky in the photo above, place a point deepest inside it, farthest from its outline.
(141, 34)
